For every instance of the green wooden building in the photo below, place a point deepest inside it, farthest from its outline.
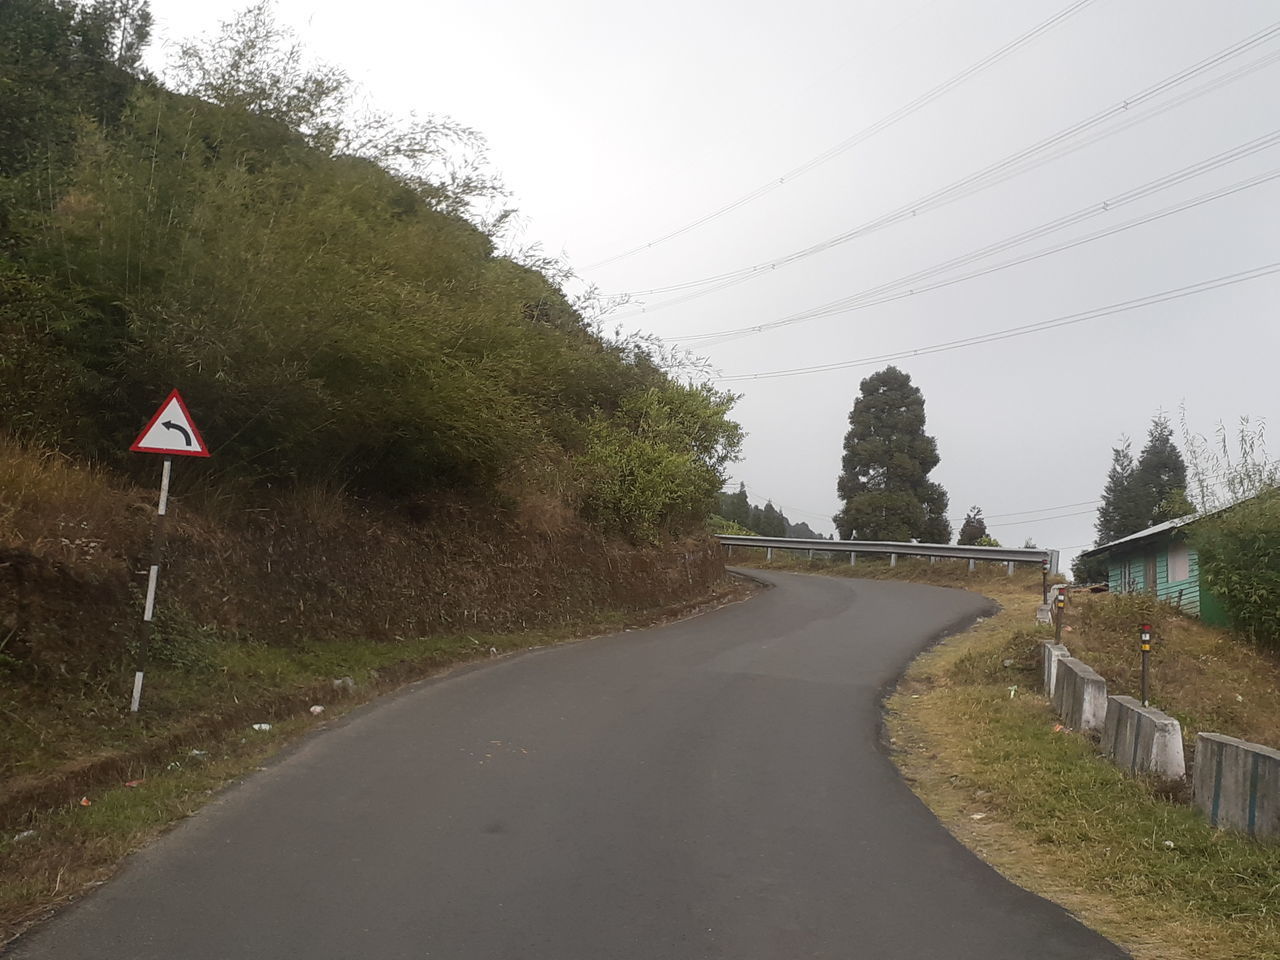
(1160, 560)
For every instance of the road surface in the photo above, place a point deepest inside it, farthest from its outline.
(708, 790)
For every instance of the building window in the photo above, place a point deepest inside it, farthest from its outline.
(1179, 562)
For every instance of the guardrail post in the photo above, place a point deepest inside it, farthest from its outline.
(853, 558)
(973, 564)
(1010, 573)
(810, 554)
(932, 560)
(768, 554)
(893, 559)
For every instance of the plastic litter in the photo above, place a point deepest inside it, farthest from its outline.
(85, 802)
(24, 835)
(316, 710)
(199, 753)
(1168, 844)
(262, 727)
(134, 783)
(977, 816)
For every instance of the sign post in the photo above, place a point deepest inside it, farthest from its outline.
(1059, 611)
(170, 432)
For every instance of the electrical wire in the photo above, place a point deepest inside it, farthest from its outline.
(1024, 330)
(1013, 165)
(883, 293)
(866, 133)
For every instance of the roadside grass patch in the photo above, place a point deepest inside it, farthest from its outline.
(974, 736)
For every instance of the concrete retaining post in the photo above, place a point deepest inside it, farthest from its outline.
(1237, 784)
(1143, 740)
(1050, 654)
(1079, 695)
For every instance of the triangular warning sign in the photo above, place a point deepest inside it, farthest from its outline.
(171, 431)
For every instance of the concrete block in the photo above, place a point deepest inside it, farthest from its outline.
(1079, 695)
(1143, 739)
(1237, 785)
(1044, 613)
(1050, 654)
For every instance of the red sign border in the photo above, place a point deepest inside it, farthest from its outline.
(195, 431)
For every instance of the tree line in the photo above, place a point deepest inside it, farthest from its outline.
(766, 521)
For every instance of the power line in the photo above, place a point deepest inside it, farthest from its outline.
(1010, 166)
(1061, 516)
(866, 133)
(1024, 330)
(884, 292)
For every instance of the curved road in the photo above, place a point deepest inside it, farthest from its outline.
(709, 789)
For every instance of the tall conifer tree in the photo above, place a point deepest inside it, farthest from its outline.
(885, 481)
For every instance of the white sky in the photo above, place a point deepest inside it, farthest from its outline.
(615, 124)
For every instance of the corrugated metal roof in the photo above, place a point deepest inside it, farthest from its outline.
(1155, 531)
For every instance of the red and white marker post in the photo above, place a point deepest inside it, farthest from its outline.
(170, 432)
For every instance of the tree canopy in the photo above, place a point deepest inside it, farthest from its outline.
(973, 529)
(884, 481)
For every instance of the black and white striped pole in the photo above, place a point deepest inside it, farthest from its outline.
(171, 432)
(153, 579)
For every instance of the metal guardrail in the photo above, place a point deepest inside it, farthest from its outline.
(1009, 555)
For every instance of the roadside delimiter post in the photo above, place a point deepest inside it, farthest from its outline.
(1145, 631)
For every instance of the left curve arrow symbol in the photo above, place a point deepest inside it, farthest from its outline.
(170, 425)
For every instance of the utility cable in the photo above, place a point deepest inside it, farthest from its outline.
(1024, 330)
(1010, 166)
(866, 133)
(885, 292)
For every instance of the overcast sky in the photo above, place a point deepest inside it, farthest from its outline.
(616, 124)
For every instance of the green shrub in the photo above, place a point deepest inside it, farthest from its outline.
(655, 466)
(1240, 564)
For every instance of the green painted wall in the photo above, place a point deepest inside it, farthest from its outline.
(1127, 572)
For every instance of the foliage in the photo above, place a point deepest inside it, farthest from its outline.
(1221, 476)
(717, 524)
(973, 529)
(311, 276)
(654, 468)
(735, 507)
(1239, 551)
(884, 479)
(986, 540)
(1161, 475)
(1141, 494)
(766, 521)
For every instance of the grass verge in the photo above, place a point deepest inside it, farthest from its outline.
(139, 779)
(978, 743)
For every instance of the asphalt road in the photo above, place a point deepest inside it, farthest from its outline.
(710, 789)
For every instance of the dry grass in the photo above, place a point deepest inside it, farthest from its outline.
(1200, 674)
(977, 741)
